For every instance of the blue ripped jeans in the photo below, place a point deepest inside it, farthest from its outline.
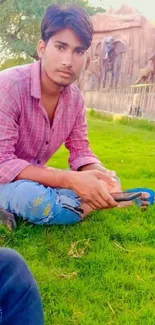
(20, 301)
(39, 204)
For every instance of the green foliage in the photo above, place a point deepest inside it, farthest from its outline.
(20, 23)
(100, 271)
(98, 115)
(14, 62)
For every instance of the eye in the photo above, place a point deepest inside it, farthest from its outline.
(60, 47)
(80, 51)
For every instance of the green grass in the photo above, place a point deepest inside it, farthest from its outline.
(101, 271)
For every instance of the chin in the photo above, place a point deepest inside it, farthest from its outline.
(63, 83)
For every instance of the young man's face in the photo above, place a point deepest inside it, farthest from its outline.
(63, 57)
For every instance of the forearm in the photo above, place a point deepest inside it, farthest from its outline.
(47, 177)
(99, 167)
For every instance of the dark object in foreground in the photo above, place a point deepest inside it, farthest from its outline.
(7, 219)
(19, 293)
(125, 196)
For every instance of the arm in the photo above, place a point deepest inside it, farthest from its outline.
(11, 167)
(77, 142)
(81, 157)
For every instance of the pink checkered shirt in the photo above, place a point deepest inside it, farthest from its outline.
(26, 137)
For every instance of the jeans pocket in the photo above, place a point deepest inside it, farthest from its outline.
(67, 209)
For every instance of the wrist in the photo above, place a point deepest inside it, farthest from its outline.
(66, 179)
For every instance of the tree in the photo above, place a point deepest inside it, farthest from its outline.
(14, 62)
(20, 23)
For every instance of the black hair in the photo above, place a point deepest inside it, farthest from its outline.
(58, 17)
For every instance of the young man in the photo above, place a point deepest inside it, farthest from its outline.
(20, 301)
(40, 109)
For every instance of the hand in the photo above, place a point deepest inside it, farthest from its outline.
(91, 186)
(114, 186)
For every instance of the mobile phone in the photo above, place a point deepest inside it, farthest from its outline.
(125, 196)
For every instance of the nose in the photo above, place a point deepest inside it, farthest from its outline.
(67, 60)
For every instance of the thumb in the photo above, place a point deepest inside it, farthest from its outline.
(112, 173)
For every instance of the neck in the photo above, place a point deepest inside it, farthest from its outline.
(48, 87)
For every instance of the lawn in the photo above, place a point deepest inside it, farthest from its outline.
(101, 271)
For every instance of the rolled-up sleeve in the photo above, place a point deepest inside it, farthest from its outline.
(77, 142)
(10, 165)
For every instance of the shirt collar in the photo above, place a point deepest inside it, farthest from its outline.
(35, 80)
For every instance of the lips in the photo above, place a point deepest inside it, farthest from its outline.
(65, 73)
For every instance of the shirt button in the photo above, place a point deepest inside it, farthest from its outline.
(38, 162)
(47, 142)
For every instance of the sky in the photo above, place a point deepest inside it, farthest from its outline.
(146, 7)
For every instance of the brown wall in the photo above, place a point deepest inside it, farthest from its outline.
(138, 35)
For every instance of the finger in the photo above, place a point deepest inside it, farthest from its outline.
(91, 201)
(113, 173)
(98, 206)
(111, 202)
(98, 202)
(107, 197)
(105, 177)
(124, 204)
(110, 172)
(95, 200)
(91, 205)
(94, 206)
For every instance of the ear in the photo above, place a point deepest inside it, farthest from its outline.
(120, 46)
(41, 48)
(97, 50)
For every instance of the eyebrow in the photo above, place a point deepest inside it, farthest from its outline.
(82, 48)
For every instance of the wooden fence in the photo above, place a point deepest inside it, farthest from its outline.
(136, 100)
